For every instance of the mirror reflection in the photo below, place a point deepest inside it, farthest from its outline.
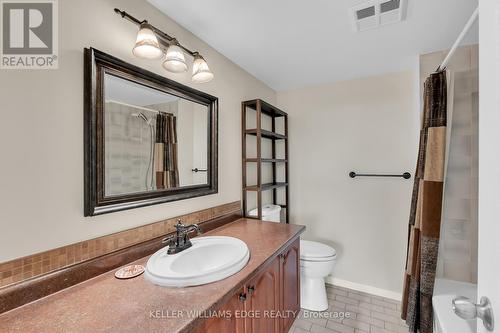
(153, 140)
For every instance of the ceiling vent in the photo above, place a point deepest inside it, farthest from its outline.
(376, 13)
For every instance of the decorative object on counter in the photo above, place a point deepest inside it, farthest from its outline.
(264, 109)
(353, 174)
(129, 272)
(143, 161)
(152, 43)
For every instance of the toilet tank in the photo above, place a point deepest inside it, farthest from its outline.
(271, 213)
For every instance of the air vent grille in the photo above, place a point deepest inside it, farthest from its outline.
(389, 5)
(365, 12)
(375, 13)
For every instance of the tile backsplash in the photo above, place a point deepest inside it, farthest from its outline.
(41, 263)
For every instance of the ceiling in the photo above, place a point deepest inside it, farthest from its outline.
(290, 44)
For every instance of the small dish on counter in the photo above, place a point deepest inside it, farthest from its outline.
(129, 272)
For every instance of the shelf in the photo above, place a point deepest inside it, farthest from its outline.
(265, 107)
(267, 134)
(267, 160)
(276, 120)
(266, 187)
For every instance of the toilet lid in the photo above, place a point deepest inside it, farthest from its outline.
(315, 250)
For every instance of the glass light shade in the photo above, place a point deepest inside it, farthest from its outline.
(174, 60)
(201, 71)
(146, 44)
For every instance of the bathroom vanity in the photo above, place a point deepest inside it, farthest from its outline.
(262, 297)
(266, 302)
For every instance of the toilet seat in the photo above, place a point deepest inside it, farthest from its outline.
(317, 252)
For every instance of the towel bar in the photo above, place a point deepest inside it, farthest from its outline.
(353, 174)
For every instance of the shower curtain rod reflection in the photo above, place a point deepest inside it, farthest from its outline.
(138, 107)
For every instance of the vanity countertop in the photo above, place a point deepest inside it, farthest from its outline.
(106, 304)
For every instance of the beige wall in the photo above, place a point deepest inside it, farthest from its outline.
(41, 131)
(365, 125)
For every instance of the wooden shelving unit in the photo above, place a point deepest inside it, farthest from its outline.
(264, 109)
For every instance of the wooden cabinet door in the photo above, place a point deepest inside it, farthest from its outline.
(226, 324)
(263, 301)
(290, 284)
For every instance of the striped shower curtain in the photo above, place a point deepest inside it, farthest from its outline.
(165, 160)
(425, 211)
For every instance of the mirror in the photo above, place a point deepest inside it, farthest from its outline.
(153, 140)
(148, 139)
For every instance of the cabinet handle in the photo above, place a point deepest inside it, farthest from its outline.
(251, 289)
(243, 297)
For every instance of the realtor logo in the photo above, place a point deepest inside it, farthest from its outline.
(29, 34)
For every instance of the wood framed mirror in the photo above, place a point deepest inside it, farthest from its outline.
(148, 139)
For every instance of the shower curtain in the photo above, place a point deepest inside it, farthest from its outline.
(166, 163)
(426, 206)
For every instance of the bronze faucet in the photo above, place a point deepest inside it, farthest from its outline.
(180, 241)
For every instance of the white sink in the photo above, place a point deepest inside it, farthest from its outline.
(210, 259)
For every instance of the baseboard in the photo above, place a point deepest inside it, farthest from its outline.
(364, 288)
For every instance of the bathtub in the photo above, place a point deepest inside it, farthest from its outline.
(445, 320)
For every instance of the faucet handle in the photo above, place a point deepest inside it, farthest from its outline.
(170, 240)
(198, 229)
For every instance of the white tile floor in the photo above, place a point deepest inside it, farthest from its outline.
(351, 311)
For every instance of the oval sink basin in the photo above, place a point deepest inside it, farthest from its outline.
(210, 259)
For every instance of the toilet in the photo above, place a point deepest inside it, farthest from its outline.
(316, 262)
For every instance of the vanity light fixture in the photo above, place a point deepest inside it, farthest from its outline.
(151, 43)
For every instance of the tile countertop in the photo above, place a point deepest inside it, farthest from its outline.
(106, 304)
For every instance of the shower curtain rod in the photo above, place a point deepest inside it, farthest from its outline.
(459, 40)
